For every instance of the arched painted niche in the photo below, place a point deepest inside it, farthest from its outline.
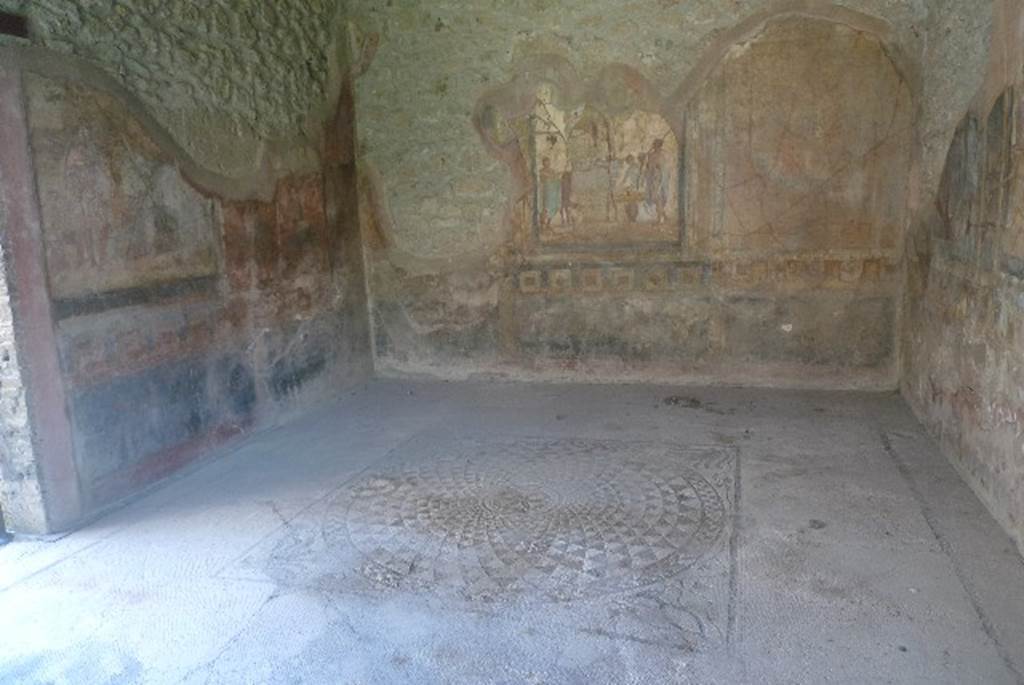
(800, 140)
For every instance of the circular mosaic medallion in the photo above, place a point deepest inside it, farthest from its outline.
(533, 518)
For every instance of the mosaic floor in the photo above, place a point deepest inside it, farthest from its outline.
(592, 524)
(536, 519)
(506, 534)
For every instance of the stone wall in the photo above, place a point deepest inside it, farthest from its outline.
(740, 222)
(964, 340)
(182, 317)
(20, 491)
(244, 86)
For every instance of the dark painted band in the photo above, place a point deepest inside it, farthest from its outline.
(95, 303)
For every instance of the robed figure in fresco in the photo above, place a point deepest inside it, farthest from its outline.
(628, 187)
(550, 192)
(656, 181)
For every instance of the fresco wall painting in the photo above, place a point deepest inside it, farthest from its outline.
(602, 180)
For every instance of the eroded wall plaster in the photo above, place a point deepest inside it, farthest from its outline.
(964, 333)
(766, 251)
(187, 306)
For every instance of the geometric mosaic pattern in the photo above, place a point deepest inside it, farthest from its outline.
(535, 519)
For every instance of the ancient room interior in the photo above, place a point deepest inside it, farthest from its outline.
(519, 341)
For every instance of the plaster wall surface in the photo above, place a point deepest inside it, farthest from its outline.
(516, 242)
(182, 317)
(430, 61)
(964, 334)
(252, 83)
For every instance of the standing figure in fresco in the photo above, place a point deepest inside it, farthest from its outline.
(550, 193)
(566, 193)
(656, 181)
(629, 187)
(89, 208)
(611, 206)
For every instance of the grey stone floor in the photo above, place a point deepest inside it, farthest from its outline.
(504, 533)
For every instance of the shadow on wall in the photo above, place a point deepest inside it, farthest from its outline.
(746, 229)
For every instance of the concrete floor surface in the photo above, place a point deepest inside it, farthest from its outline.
(507, 533)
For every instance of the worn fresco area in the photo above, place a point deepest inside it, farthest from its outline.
(964, 342)
(601, 179)
(736, 229)
(183, 318)
(237, 81)
(801, 141)
(132, 216)
(431, 61)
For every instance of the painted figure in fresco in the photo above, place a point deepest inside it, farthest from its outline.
(87, 207)
(616, 168)
(550, 192)
(566, 193)
(656, 181)
(585, 160)
(629, 187)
